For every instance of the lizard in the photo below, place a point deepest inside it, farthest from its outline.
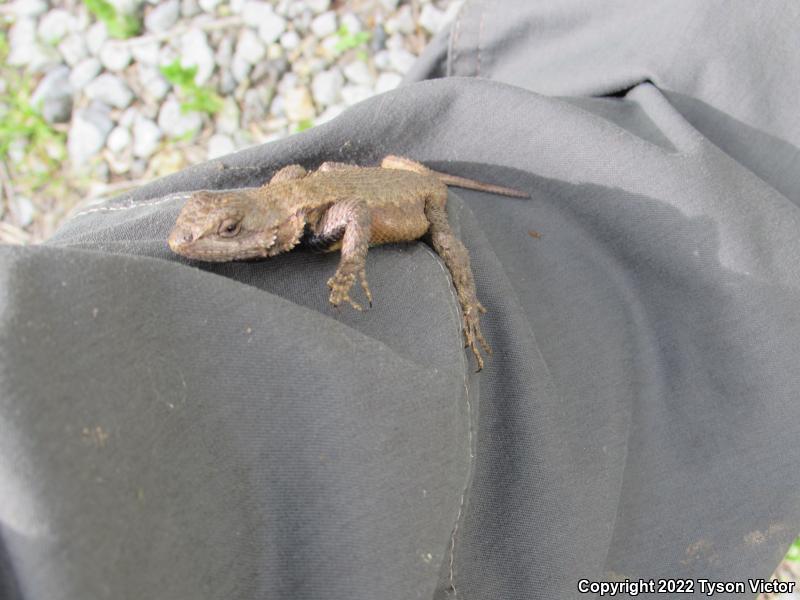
(337, 207)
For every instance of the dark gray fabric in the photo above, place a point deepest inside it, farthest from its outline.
(219, 432)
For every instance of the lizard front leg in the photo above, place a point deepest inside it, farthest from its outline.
(288, 173)
(350, 221)
(456, 258)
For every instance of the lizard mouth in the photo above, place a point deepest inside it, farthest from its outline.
(182, 241)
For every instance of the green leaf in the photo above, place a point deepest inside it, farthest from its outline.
(118, 25)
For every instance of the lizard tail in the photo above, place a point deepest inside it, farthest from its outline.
(471, 184)
(406, 164)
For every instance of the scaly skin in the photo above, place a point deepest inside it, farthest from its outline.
(342, 207)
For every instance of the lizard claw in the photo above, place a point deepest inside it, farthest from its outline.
(340, 285)
(473, 337)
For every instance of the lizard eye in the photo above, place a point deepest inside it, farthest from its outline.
(229, 228)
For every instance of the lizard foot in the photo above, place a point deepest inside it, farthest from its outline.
(341, 284)
(472, 333)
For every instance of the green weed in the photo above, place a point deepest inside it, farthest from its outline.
(349, 41)
(119, 25)
(21, 124)
(193, 97)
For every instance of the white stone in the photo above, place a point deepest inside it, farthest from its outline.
(402, 60)
(318, 6)
(119, 139)
(146, 53)
(358, 72)
(163, 16)
(28, 8)
(431, 18)
(153, 82)
(290, 40)
(249, 47)
(351, 22)
(115, 56)
(189, 8)
(330, 113)
(110, 90)
(55, 25)
(128, 117)
(53, 95)
(236, 6)
(22, 42)
(382, 60)
(324, 24)
(96, 36)
(146, 137)
(390, 5)
(126, 7)
(195, 51)
(23, 210)
(174, 123)
(299, 105)
(224, 53)
(401, 22)
(271, 28)
(228, 117)
(87, 134)
(209, 6)
(353, 94)
(254, 12)
(240, 69)
(220, 144)
(84, 72)
(73, 49)
(396, 42)
(386, 82)
(326, 87)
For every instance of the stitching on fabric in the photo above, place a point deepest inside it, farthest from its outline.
(161, 200)
(453, 55)
(480, 36)
(464, 362)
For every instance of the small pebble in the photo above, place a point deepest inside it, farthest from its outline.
(28, 8)
(115, 56)
(96, 37)
(209, 6)
(326, 87)
(84, 72)
(87, 134)
(402, 60)
(55, 25)
(23, 211)
(401, 22)
(154, 84)
(220, 144)
(249, 47)
(146, 137)
(290, 40)
(53, 95)
(119, 139)
(353, 94)
(318, 6)
(358, 72)
(175, 123)
(324, 24)
(163, 16)
(271, 28)
(110, 90)
(146, 53)
(431, 18)
(386, 82)
(73, 49)
(195, 51)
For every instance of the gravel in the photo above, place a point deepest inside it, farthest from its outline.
(272, 67)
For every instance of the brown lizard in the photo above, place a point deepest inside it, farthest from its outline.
(337, 207)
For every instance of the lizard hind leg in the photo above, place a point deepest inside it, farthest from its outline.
(456, 259)
(352, 219)
(404, 164)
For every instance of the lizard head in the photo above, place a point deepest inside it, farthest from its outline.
(234, 225)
